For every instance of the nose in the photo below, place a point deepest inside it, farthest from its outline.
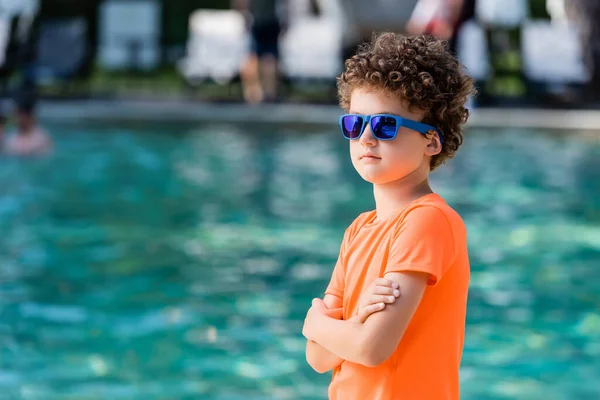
(367, 138)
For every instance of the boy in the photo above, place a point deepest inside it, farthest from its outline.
(406, 101)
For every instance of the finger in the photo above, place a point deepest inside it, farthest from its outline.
(370, 309)
(377, 298)
(361, 316)
(386, 282)
(383, 282)
(386, 291)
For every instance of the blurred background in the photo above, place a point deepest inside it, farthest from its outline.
(174, 191)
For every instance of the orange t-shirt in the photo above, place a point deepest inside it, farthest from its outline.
(428, 236)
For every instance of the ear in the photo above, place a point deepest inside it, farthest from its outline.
(434, 145)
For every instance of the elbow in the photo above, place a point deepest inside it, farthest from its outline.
(316, 364)
(321, 369)
(372, 354)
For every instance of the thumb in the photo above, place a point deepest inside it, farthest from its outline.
(362, 316)
(317, 302)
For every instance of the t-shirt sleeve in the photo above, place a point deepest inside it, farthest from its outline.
(337, 282)
(423, 242)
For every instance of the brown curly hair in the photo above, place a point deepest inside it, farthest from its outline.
(420, 70)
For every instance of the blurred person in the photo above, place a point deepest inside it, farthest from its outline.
(267, 20)
(406, 100)
(435, 17)
(464, 10)
(29, 138)
(441, 18)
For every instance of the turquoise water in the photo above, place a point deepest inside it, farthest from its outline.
(177, 262)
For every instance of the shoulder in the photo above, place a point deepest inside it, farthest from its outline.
(361, 220)
(358, 223)
(432, 208)
(432, 216)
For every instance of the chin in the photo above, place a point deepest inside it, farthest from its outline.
(374, 178)
(383, 176)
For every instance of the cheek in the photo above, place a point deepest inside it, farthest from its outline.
(354, 155)
(355, 149)
(410, 146)
(396, 149)
(403, 156)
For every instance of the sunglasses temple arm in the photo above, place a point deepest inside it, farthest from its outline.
(422, 128)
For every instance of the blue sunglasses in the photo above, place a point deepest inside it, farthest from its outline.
(383, 126)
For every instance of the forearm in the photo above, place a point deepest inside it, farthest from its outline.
(374, 341)
(320, 359)
(344, 339)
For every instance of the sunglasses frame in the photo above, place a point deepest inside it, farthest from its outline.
(400, 122)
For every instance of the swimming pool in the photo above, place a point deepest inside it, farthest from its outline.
(162, 261)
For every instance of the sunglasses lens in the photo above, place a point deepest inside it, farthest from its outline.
(351, 126)
(384, 127)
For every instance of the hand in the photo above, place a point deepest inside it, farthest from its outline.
(316, 311)
(381, 292)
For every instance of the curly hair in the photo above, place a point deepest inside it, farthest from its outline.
(421, 71)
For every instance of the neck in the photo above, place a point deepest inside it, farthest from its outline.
(392, 196)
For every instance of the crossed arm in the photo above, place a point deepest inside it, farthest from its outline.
(332, 340)
(319, 358)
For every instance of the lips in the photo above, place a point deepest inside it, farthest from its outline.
(370, 155)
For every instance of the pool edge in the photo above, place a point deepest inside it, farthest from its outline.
(177, 111)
